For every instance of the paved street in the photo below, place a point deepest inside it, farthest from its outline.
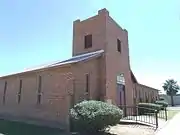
(174, 108)
(172, 126)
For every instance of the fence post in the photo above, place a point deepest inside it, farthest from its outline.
(166, 113)
(124, 109)
(156, 113)
(136, 113)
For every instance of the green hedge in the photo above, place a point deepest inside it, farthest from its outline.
(162, 103)
(147, 108)
(161, 98)
(94, 116)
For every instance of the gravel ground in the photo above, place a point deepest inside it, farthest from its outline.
(131, 130)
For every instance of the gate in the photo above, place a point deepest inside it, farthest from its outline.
(143, 115)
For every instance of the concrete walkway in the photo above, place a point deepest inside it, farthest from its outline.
(144, 120)
(172, 127)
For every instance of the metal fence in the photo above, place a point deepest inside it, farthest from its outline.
(143, 115)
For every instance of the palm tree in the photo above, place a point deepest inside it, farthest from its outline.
(171, 88)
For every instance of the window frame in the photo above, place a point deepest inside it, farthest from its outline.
(4, 92)
(39, 90)
(20, 91)
(88, 41)
(119, 45)
(87, 83)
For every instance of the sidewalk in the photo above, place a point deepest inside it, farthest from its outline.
(172, 127)
(143, 120)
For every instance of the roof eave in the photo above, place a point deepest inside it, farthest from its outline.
(148, 87)
(50, 67)
(35, 71)
(133, 76)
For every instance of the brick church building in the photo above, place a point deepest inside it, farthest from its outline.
(43, 95)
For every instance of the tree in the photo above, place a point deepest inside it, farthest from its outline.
(171, 88)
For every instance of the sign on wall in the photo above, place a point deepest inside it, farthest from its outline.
(120, 79)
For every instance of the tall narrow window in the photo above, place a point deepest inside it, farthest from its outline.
(120, 98)
(88, 41)
(118, 45)
(39, 90)
(87, 83)
(140, 99)
(73, 93)
(135, 92)
(19, 92)
(4, 93)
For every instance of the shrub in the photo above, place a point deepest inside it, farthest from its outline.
(93, 116)
(162, 103)
(145, 108)
(161, 98)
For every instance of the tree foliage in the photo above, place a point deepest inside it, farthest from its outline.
(171, 87)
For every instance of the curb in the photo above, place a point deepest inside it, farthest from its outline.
(167, 123)
(164, 125)
(136, 122)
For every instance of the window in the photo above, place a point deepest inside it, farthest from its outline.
(39, 90)
(118, 45)
(19, 92)
(73, 93)
(139, 94)
(135, 92)
(152, 94)
(88, 41)
(134, 100)
(120, 98)
(4, 93)
(147, 99)
(140, 100)
(152, 100)
(87, 83)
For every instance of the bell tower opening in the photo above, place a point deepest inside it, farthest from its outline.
(89, 35)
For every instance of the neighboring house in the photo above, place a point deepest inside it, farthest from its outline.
(167, 99)
(100, 53)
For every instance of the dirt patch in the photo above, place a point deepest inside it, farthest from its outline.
(131, 130)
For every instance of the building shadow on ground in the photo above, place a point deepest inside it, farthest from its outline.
(17, 128)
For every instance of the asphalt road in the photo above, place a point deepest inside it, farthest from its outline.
(174, 107)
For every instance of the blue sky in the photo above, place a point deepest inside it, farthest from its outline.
(34, 32)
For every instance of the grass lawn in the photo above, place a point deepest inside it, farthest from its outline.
(16, 128)
(172, 113)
